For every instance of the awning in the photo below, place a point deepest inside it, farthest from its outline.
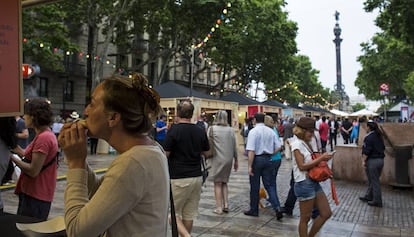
(364, 112)
(339, 113)
(30, 3)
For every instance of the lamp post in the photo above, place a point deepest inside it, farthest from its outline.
(192, 69)
(65, 77)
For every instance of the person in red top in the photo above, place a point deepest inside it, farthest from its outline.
(323, 133)
(37, 182)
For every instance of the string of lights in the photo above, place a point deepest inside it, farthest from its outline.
(84, 55)
(215, 27)
(56, 50)
(273, 94)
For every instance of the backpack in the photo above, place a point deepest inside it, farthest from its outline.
(281, 130)
(201, 125)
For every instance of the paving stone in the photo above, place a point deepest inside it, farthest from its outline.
(351, 217)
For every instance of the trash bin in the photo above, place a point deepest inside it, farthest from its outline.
(402, 154)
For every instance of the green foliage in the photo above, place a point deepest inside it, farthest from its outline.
(358, 106)
(395, 17)
(409, 85)
(305, 77)
(388, 57)
(385, 60)
(255, 39)
(258, 41)
(45, 25)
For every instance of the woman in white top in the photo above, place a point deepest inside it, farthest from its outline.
(308, 192)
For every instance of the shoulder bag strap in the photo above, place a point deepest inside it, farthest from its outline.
(210, 134)
(310, 150)
(174, 229)
(203, 163)
(56, 159)
(211, 139)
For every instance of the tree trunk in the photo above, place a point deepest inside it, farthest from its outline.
(103, 50)
(89, 76)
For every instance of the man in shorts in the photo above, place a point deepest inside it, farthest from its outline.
(184, 144)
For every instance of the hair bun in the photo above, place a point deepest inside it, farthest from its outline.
(138, 81)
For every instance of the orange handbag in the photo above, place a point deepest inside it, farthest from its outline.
(320, 172)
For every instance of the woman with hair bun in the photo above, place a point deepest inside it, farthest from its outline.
(132, 198)
(373, 162)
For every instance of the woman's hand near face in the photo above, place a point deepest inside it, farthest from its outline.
(72, 139)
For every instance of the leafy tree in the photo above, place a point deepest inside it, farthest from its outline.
(258, 42)
(255, 39)
(358, 106)
(385, 60)
(409, 85)
(170, 27)
(395, 17)
(389, 57)
(39, 45)
(100, 16)
(305, 80)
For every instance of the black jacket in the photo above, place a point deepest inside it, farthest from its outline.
(373, 146)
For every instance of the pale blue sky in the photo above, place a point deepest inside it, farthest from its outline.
(315, 19)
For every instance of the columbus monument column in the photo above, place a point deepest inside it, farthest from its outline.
(339, 87)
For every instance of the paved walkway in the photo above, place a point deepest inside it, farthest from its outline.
(351, 217)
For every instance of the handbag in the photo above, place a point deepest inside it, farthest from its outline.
(204, 169)
(210, 153)
(320, 172)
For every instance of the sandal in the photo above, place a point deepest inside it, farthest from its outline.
(218, 211)
(226, 210)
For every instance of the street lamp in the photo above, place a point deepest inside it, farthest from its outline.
(65, 77)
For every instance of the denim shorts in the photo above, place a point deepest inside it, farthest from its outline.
(307, 189)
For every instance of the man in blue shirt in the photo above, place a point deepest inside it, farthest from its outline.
(262, 143)
(161, 127)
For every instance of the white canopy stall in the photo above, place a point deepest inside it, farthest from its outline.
(339, 113)
(364, 112)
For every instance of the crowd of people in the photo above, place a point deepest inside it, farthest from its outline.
(158, 159)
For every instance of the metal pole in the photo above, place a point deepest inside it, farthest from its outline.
(385, 109)
(192, 71)
(63, 96)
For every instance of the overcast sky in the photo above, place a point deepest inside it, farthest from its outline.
(316, 20)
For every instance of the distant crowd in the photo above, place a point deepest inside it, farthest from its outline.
(157, 177)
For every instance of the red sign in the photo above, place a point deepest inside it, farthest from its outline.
(384, 89)
(252, 109)
(11, 83)
(27, 71)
